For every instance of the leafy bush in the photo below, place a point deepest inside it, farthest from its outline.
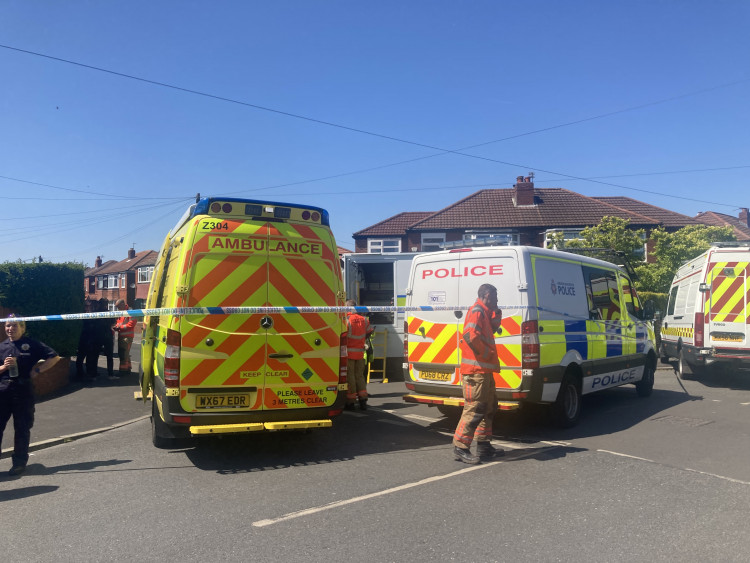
(45, 289)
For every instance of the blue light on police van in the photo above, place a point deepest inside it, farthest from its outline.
(253, 210)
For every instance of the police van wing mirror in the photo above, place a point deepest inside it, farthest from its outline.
(704, 288)
(458, 314)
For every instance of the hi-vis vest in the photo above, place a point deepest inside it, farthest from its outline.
(479, 329)
(126, 326)
(358, 327)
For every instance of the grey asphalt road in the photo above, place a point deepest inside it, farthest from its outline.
(660, 479)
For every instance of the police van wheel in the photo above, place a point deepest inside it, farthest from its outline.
(567, 407)
(646, 385)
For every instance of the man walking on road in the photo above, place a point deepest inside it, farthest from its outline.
(358, 329)
(478, 363)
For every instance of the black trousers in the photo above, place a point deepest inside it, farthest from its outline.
(18, 401)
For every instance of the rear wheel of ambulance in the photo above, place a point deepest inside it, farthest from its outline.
(161, 435)
(567, 408)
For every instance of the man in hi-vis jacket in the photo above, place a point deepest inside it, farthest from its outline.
(478, 363)
(358, 329)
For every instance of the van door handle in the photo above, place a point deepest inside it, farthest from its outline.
(677, 317)
(280, 356)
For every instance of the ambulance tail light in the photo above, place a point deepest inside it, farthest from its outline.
(698, 331)
(342, 359)
(406, 341)
(529, 345)
(172, 359)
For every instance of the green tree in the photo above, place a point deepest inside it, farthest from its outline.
(612, 233)
(671, 250)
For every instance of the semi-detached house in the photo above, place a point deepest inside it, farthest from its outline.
(127, 279)
(523, 215)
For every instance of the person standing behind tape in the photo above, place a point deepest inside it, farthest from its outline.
(125, 329)
(20, 358)
(358, 329)
(479, 361)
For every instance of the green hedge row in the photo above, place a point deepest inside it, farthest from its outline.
(45, 289)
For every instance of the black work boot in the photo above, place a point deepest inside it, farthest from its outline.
(485, 450)
(465, 455)
(363, 404)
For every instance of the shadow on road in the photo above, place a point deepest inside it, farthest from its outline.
(26, 492)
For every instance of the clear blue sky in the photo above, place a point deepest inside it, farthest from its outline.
(92, 162)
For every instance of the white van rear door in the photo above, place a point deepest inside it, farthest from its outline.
(728, 305)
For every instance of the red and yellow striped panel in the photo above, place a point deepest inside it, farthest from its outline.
(730, 292)
(443, 348)
(249, 265)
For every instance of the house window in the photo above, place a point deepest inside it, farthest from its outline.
(123, 279)
(432, 241)
(144, 274)
(100, 282)
(383, 245)
(493, 239)
(568, 234)
(111, 281)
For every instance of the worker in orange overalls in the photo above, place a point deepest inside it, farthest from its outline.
(125, 329)
(479, 361)
(358, 329)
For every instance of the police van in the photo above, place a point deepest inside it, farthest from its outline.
(218, 373)
(571, 325)
(706, 322)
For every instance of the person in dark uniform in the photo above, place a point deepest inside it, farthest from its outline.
(20, 362)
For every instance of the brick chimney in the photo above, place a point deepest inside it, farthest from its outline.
(523, 191)
(131, 253)
(98, 262)
(744, 219)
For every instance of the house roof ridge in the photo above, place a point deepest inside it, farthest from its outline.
(639, 202)
(622, 209)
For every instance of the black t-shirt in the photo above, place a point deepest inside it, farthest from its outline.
(27, 353)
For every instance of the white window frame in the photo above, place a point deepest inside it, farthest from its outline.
(432, 241)
(145, 273)
(383, 245)
(123, 280)
(568, 234)
(112, 281)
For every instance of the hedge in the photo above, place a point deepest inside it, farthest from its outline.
(45, 289)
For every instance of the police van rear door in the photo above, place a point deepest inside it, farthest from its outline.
(727, 302)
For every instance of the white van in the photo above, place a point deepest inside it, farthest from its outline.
(571, 325)
(706, 323)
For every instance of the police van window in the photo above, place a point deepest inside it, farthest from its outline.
(605, 293)
(632, 303)
(672, 300)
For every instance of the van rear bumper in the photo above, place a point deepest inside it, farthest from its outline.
(204, 430)
(455, 402)
(452, 395)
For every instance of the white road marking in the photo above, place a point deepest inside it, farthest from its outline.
(745, 404)
(718, 476)
(627, 455)
(427, 481)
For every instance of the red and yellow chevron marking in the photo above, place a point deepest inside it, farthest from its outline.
(277, 265)
(730, 292)
(443, 349)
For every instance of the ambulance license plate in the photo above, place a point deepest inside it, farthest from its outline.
(435, 375)
(222, 401)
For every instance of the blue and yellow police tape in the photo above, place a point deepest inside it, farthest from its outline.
(202, 311)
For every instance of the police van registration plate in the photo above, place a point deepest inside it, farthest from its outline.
(433, 375)
(222, 401)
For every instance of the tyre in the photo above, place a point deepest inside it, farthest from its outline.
(567, 407)
(663, 356)
(646, 385)
(160, 434)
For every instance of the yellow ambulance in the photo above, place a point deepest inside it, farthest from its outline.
(571, 325)
(218, 373)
